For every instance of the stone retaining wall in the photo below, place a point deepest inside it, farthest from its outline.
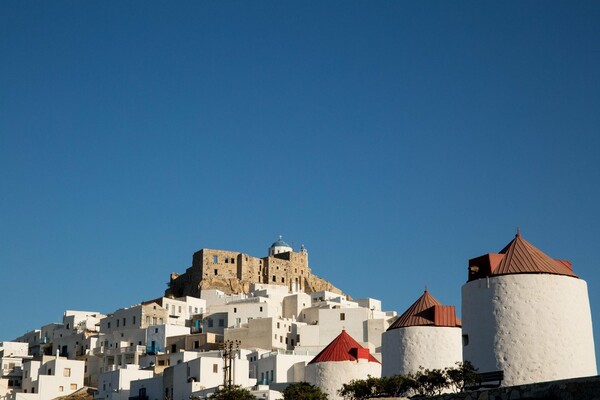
(570, 389)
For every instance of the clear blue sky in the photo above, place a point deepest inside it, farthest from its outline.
(396, 140)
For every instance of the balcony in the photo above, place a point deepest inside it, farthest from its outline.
(152, 350)
(105, 351)
(12, 372)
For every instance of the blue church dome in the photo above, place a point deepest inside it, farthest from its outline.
(280, 243)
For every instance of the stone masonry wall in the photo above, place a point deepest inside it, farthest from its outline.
(569, 389)
(234, 272)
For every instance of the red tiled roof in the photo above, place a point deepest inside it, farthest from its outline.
(343, 348)
(427, 311)
(518, 257)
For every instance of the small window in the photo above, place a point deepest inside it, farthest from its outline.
(117, 323)
(67, 372)
(274, 278)
(465, 340)
(234, 309)
(61, 389)
(133, 320)
(215, 259)
(215, 368)
(216, 272)
(49, 371)
(108, 325)
(73, 386)
(342, 316)
(278, 325)
(210, 323)
(282, 280)
(221, 322)
(124, 321)
(179, 309)
(260, 309)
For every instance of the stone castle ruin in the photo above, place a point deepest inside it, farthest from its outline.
(234, 272)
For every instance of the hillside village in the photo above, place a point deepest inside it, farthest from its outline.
(277, 323)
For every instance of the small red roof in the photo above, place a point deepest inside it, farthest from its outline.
(518, 257)
(343, 348)
(427, 311)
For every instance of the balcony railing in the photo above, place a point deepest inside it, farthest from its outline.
(106, 351)
(154, 349)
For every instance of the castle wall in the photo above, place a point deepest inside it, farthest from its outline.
(534, 327)
(287, 269)
(221, 263)
(406, 349)
(234, 272)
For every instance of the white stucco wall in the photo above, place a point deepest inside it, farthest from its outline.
(330, 376)
(52, 377)
(534, 327)
(115, 385)
(404, 350)
(285, 367)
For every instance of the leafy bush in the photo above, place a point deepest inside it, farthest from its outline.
(233, 392)
(425, 382)
(464, 375)
(303, 391)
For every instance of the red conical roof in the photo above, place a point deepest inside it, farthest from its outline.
(427, 311)
(518, 257)
(343, 348)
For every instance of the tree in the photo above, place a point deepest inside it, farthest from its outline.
(429, 382)
(393, 386)
(359, 389)
(463, 375)
(303, 391)
(233, 392)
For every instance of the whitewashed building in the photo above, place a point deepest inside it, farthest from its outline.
(12, 357)
(340, 362)
(47, 377)
(426, 335)
(528, 315)
(115, 385)
(279, 366)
